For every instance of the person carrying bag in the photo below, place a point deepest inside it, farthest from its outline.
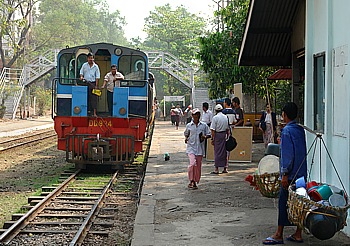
(231, 142)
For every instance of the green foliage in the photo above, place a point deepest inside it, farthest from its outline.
(174, 30)
(77, 22)
(14, 27)
(43, 98)
(3, 98)
(219, 54)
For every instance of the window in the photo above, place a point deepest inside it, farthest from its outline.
(319, 92)
(132, 67)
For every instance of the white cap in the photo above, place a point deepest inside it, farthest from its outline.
(218, 107)
(195, 111)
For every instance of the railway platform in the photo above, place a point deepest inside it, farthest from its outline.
(225, 210)
(9, 128)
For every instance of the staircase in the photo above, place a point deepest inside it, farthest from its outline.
(13, 81)
(177, 68)
(40, 66)
(11, 86)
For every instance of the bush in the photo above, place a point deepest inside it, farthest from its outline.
(43, 97)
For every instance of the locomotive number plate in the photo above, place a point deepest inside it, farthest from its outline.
(100, 123)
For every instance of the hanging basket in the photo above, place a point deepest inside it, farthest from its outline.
(268, 184)
(300, 207)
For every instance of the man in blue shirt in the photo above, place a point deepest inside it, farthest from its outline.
(293, 166)
(91, 73)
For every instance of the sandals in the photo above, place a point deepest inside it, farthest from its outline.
(292, 238)
(192, 185)
(272, 241)
(214, 173)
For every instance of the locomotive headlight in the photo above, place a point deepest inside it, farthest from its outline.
(118, 51)
(77, 110)
(122, 111)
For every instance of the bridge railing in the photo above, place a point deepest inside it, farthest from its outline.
(39, 66)
(171, 64)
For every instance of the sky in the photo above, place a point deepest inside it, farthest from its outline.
(135, 11)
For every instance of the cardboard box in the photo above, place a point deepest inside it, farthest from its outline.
(243, 151)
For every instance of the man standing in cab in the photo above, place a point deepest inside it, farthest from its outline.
(91, 73)
(112, 79)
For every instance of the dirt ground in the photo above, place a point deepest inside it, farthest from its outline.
(225, 210)
(23, 170)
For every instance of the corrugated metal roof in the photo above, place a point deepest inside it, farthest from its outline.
(267, 37)
(285, 73)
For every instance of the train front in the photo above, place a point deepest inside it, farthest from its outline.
(116, 134)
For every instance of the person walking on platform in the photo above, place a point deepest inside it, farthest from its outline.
(188, 112)
(219, 130)
(196, 133)
(293, 166)
(207, 117)
(267, 125)
(172, 115)
(178, 114)
(239, 112)
(231, 118)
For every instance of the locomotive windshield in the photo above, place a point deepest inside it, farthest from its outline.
(67, 69)
(133, 67)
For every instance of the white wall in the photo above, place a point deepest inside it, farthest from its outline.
(327, 30)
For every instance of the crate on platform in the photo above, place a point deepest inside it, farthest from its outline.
(299, 207)
(268, 184)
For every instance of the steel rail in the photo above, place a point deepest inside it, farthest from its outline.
(27, 142)
(15, 229)
(84, 228)
(23, 137)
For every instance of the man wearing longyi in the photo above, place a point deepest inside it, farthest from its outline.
(293, 153)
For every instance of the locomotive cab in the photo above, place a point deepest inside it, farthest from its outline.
(115, 135)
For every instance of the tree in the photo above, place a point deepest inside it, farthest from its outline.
(77, 22)
(175, 31)
(15, 24)
(219, 55)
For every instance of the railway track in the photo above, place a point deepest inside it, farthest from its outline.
(24, 140)
(82, 210)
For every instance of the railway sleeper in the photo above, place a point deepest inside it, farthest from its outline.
(100, 233)
(37, 198)
(9, 223)
(78, 193)
(82, 188)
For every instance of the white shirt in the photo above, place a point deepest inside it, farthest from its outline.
(90, 73)
(207, 117)
(268, 118)
(219, 123)
(192, 131)
(109, 78)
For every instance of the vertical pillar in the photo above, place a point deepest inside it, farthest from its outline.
(29, 103)
(25, 103)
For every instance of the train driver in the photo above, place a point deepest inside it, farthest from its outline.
(91, 73)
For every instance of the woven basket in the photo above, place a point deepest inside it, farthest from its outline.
(268, 184)
(299, 207)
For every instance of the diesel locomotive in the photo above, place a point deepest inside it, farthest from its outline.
(113, 137)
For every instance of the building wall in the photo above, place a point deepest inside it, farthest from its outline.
(327, 24)
(298, 35)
